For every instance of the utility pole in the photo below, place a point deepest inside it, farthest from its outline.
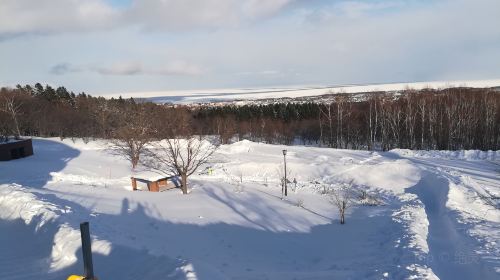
(285, 182)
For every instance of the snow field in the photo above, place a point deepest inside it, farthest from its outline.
(234, 223)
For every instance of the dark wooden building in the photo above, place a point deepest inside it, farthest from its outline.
(16, 149)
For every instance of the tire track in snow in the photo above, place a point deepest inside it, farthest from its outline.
(451, 252)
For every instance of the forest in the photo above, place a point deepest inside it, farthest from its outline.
(444, 119)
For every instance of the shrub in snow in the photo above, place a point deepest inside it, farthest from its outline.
(295, 185)
(369, 199)
(239, 188)
(300, 202)
(324, 190)
(343, 198)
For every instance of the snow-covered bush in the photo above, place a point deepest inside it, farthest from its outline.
(369, 199)
(300, 202)
(239, 188)
(342, 197)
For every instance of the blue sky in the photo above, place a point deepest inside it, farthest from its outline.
(120, 3)
(113, 46)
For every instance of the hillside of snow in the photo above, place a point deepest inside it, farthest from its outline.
(427, 215)
(252, 94)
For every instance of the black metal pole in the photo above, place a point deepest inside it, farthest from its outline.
(87, 251)
(286, 185)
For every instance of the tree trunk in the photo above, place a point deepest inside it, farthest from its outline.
(342, 213)
(135, 161)
(184, 183)
(18, 131)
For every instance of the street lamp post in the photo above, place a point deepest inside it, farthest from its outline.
(285, 182)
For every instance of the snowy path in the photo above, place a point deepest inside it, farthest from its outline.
(451, 253)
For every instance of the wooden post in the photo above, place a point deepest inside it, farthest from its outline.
(154, 187)
(134, 183)
(87, 251)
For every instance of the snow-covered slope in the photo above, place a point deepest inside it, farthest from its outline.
(248, 94)
(234, 224)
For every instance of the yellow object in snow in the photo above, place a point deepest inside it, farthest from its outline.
(76, 277)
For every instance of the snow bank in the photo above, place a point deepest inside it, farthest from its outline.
(411, 215)
(313, 167)
(461, 154)
(480, 220)
(393, 176)
(88, 180)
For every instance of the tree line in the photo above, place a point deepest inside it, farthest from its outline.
(454, 118)
(451, 119)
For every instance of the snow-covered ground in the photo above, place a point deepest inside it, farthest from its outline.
(248, 94)
(435, 218)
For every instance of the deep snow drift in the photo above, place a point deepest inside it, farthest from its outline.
(435, 218)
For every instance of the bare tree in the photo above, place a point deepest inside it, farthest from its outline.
(326, 110)
(411, 117)
(4, 127)
(130, 140)
(392, 112)
(340, 100)
(181, 157)
(320, 126)
(490, 114)
(12, 106)
(343, 198)
(421, 106)
(434, 119)
(373, 120)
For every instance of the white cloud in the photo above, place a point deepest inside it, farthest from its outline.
(359, 41)
(49, 16)
(130, 68)
(258, 8)
(186, 14)
(46, 16)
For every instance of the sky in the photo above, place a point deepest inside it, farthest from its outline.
(114, 46)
